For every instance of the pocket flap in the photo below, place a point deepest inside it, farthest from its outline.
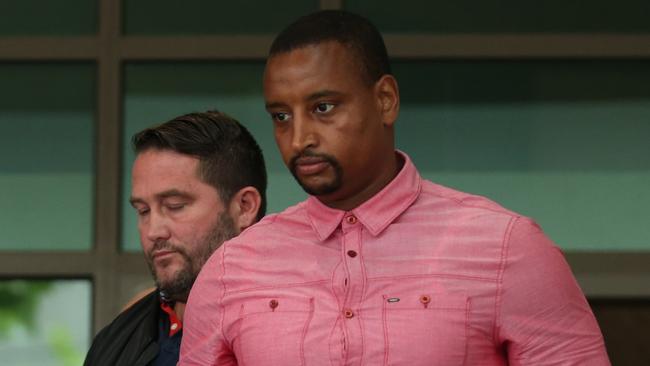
(276, 304)
(426, 300)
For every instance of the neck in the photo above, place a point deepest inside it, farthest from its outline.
(179, 309)
(394, 165)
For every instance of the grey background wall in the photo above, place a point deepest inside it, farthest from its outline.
(542, 107)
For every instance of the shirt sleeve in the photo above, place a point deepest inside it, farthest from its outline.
(203, 341)
(543, 317)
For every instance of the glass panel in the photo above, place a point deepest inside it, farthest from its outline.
(563, 142)
(156, 93)
(46, 17)
(46, 156)
(211, 17)
(506, 16)
(44, 322)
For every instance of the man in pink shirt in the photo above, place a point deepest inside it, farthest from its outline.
(377, 266)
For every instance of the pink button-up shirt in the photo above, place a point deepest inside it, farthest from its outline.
(419, 274)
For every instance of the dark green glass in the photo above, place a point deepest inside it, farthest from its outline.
(46, 156)
(565, 142)
(506, 16)
(48, 18)
(168, 17)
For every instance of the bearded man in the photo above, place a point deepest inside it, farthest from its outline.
(197, 181)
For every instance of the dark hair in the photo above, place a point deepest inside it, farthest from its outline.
(351, 30)
(230, 158)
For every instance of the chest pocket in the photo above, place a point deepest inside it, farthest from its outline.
(271, 331)
(425, 329)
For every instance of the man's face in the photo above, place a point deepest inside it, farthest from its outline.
(181, 219)
(327, 120)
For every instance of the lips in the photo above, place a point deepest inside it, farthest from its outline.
(310, 165)
(162, 254)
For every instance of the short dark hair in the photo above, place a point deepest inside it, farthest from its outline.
(351, 30)
(230, 158)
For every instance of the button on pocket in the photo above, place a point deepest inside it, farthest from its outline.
(425, 300)
(433, 323)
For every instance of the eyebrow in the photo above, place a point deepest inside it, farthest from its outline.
(162, 195)
(323, 94)
(312, 97)
(274, 105)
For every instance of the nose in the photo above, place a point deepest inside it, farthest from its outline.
(304, 134)
(155, 228)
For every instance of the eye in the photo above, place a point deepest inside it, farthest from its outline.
(323, 107)
(175, 206)
(280, 116)
(142, 211)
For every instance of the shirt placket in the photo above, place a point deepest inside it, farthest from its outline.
(354, 285)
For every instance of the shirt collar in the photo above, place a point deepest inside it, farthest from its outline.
(376, 213)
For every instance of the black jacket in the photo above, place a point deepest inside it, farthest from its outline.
(130, 339)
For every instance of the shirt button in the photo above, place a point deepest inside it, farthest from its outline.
(351, 219)
(273, 304)
(174, 326)
(352, 253)
(348, 313)
(425, 299)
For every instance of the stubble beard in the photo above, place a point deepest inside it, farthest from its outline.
(178, 285)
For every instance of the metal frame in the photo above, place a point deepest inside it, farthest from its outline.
(602, 274)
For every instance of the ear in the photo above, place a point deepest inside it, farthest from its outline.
(244, 206)
(387, 93)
